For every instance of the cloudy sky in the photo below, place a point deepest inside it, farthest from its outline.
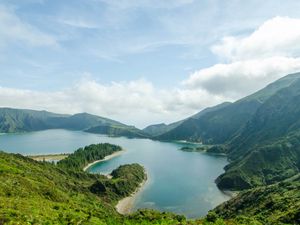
(143, 61)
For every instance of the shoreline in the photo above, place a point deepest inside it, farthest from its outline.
(49, 157)
(108, 157)
(125, 205)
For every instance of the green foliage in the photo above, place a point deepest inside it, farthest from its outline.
(83, 156)
(274, 204)
(114, 130)
(267, 150)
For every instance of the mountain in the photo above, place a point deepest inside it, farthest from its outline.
(23, 120)
(219, 124)
(259, 134)
(267, 149)
(159, 129)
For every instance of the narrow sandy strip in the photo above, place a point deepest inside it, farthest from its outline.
(108, 157)
(125, 205)
(49, 157)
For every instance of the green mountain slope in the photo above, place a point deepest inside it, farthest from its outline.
(267, 150)
(223, 122)
(273, 204)
(158, 130)
(264, 164)
(22, 120)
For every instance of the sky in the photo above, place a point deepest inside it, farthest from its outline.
(143, 62)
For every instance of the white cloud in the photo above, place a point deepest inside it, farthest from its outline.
(79, 23)
(240, 78)
(253, 61)
(279, 36)
(12, 28)
(136, 102)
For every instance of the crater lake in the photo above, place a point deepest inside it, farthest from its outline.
(178, 181)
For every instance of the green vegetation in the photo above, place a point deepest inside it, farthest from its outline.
(267, 149)
(188, 149)
(83, 156)
(274, 204)
(266, 164)
(117, 130)
(23, 120)
(33, 192)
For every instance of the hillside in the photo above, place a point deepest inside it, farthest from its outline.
(180, 130)
(273, 204)
(259, 134)
(22, 120)
(219, 124)
(267, 149)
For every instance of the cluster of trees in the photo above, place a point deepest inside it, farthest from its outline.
(125, 180)
(83, 156)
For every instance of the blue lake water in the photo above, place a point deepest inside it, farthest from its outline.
(180, 182)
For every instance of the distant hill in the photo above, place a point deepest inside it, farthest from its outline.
(23, 120)
(159, 129)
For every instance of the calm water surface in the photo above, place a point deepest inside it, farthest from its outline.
(180, 182)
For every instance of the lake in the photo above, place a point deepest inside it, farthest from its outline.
(179, 182)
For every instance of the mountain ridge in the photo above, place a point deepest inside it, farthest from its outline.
(24, 120)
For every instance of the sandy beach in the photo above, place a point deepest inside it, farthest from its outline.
(50, 157)
(125, 205)
(105, 159)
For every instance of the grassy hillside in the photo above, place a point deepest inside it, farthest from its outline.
(23, 120)
(264, 164)
(273, 204)
(267, 150)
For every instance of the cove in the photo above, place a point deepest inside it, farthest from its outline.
(178, 181)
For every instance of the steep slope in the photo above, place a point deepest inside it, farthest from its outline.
(22, 120)
(214, 127)
(221, 124)
(267, 150)
(273, 204)
(159, 129)
(264, 164)
(279, 115)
